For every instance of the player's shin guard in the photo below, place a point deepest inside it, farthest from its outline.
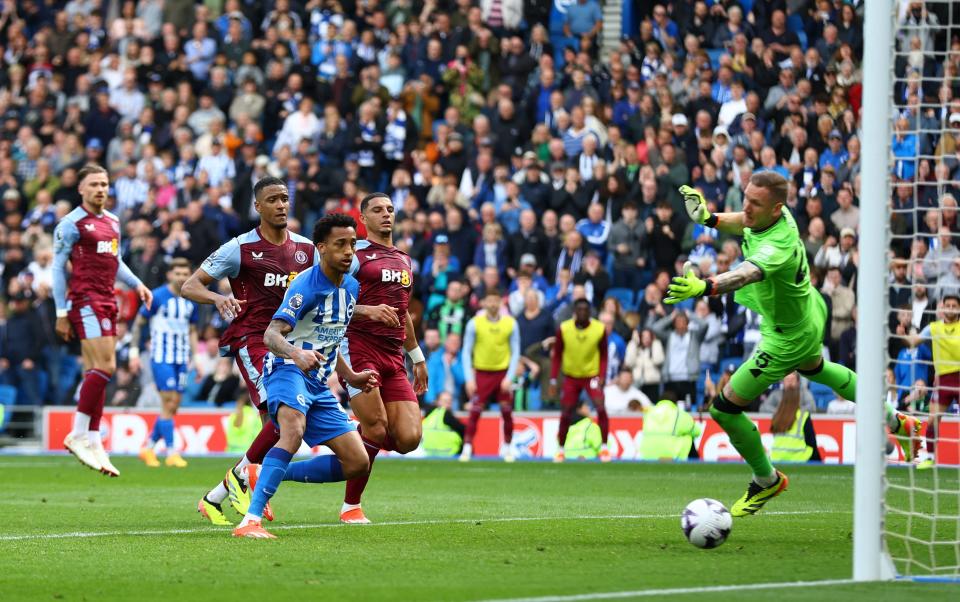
(603, 420)
(355, 487)
(268, 437)
(320, 469)
(743, 435)
(841, 379)
(566, 419)
(93, 391)
(155, 434)
(274, 467)
(166, 431)
(932, 436)
(506, 413)
(472, 423)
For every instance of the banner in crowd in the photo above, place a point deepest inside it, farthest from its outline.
(200, 432)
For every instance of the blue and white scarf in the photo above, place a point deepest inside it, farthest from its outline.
(368, 132)
(395, 137)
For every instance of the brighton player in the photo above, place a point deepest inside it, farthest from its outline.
(389, 414)
(173, 345)
(774, 282)
(944, 337)
(491, 352)
(89, 238)
(304, 339)
(580, 353)
(260, 265)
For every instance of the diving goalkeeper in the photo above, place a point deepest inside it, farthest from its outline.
(773, 281)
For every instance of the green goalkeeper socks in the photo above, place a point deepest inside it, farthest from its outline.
(841, 379)
(743, 435)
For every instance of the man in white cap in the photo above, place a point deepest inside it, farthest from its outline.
(685, 140)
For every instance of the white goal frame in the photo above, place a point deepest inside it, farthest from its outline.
(870, 561)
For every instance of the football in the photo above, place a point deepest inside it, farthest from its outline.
(706, 523)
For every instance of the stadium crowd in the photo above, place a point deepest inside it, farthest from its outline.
(519, 154)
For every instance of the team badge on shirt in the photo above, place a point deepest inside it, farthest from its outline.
(300, 256)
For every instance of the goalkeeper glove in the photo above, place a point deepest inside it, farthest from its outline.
(697, 206)
(687, 286)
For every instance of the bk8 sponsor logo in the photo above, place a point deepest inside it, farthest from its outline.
(107, 246)
(402, 277)
(281, 280)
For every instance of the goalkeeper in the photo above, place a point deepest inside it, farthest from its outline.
(774, 282)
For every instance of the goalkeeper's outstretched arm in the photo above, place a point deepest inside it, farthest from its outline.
(688, 285)
(728, 223)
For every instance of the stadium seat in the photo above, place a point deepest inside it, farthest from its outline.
(715, 54)
(734, 361)
(822, 394)
(625, 296)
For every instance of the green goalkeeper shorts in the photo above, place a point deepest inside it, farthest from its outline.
(780, 353)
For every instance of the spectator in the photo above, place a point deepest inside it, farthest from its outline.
(628, 244)
(683, 335)
(620, 394)
(21, 360)
(584, 19)
(451, 316)
(445, 370)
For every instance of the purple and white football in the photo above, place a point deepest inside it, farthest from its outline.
(706, 523)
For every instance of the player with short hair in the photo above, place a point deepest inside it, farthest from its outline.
(173, 345)
(389, 414)
(260, 265)
(580, 352)
(944, 337)
(89, 238)
(304, 339)
(491, 352)
(774, 282)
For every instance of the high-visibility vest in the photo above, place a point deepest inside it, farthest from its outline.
(491, 348)
(583, 440)
(240, 437)
(668, 433)
(438, 438)
(946, 347)
(791, 446)
(581, 348)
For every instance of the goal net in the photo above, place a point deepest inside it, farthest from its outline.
(921, 511)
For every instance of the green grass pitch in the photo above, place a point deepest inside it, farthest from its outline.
(482, 531)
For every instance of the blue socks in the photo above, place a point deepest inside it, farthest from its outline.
(163, 429)
(320, 469)
(271, 473)
(166, 431)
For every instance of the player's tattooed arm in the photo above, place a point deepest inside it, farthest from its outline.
(746, 273)
(275, 339)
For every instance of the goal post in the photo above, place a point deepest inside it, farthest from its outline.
(906, 521)
(869, 562)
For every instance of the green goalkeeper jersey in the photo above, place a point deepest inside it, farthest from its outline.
(784, 297)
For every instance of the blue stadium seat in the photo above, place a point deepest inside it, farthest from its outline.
(8, 398)
(822, 394)
(715, 54)
(625, 296)
(727, 361)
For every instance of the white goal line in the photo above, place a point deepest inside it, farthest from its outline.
(649, 593)
(453, 521)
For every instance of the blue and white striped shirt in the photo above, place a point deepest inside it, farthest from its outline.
(319, 312)
(170, 320)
